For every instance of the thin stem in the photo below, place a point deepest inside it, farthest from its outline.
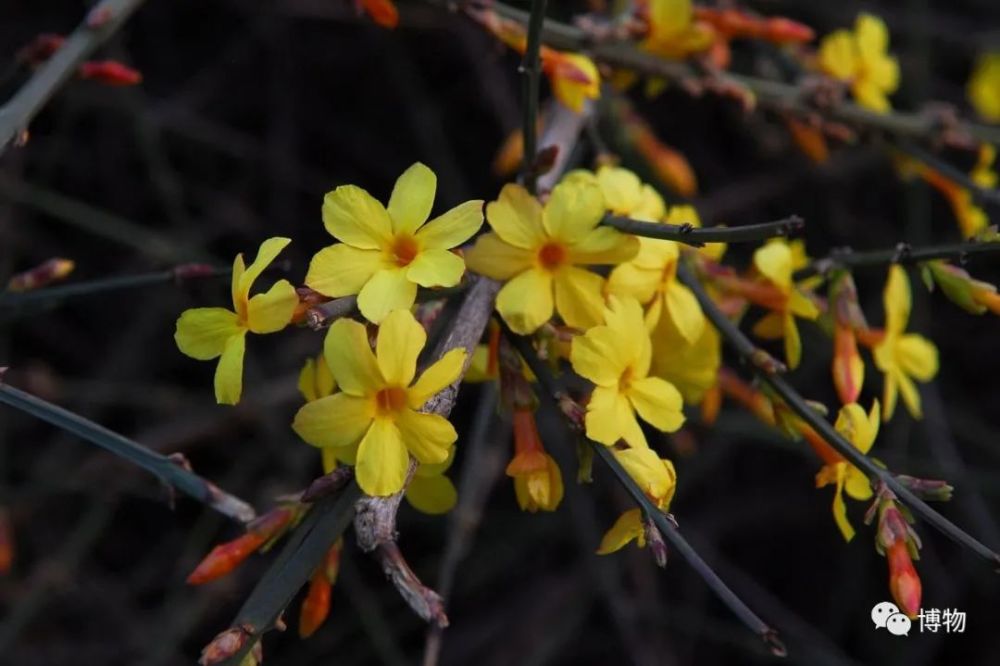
(901, 254)
(102, 21)
(530, 70)
(556, 392)
(63, 292)
(691, 235)
(168, 470)
(321, 316)
(798, 404)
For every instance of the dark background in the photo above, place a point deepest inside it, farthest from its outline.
(249, 112)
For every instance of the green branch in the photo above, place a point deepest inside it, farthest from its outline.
(102, 21)
(665, 525)
(530, 70)
(168, 470)
(695, 236)
(798, 404)
(901, 254)
(304, 551)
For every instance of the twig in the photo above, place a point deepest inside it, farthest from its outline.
(63, 292)
(530, 70)
(321, 316)
(168, 470)
(665, 525)
(694, 236)
(304, 551)
(901, 254)
(798, 404)
(102, 21)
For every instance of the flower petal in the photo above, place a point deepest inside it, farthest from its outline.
(267, 253)
(857, 484)
(428, 436)
(610, 418)
(351, 360)
(793, 343)
(839, 508)
(630, 280)
(316, 380)
(516, 217)
(896, 299)
(599, 356)
(627, 528)
(656, 477)
(273, 310)
(917, 356)
(382, 460)
(603, 245)
(353, 216)
(388, 290)
(436, 268)
(685, 313)
(495, 258)
(774, 261)
(229, 371)
(578, 297)
(872, 35)
(573, 210)
(838, 56)
(658, 402)
(202, 332)
(433, 495)
(400, 340)
(412, 199)
(342, 270)
(621, 188)
(435, 378)
(453, 227)
(339, 420)
(526, 302)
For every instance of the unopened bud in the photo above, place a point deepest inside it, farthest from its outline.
(42, 275)
(225, 645)
(904, 583)
(110, 73)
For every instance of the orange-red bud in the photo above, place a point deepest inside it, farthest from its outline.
(848, 368)
(42, 275)
(225, 557)
(316, 605)
(904, 583)
(110, 73)
(383, 12)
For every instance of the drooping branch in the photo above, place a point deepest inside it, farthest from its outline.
(102, 21)
(695, 236)
(767, 373)
(171, 471)
(564, 402)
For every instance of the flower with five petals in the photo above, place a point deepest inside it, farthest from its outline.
(207, 333)
(541, 251)
(860, 430)
(384, 254)
(861, 59)
(374, 417)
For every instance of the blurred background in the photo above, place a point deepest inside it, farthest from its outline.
(248, 113)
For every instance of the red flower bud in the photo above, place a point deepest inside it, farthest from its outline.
(110, 73)
(225, 557)
(904, 583)
(316, 605)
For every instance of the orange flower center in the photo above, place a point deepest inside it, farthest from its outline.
(552, 255)
(390, 400)
(405, 250)
(625, 381)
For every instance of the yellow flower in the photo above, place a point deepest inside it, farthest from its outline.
(860, 429)
(540, 252)
(376, 407)
(207, 333)
(672, 31)
(385, 254)
(658, 481)
(983, 89)
(430, 491)
(624, 194)
(652, 279)
(691, 367)
(860, 58)
(902, 356)
(775, 261)
(574, 77)
(620, 374)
